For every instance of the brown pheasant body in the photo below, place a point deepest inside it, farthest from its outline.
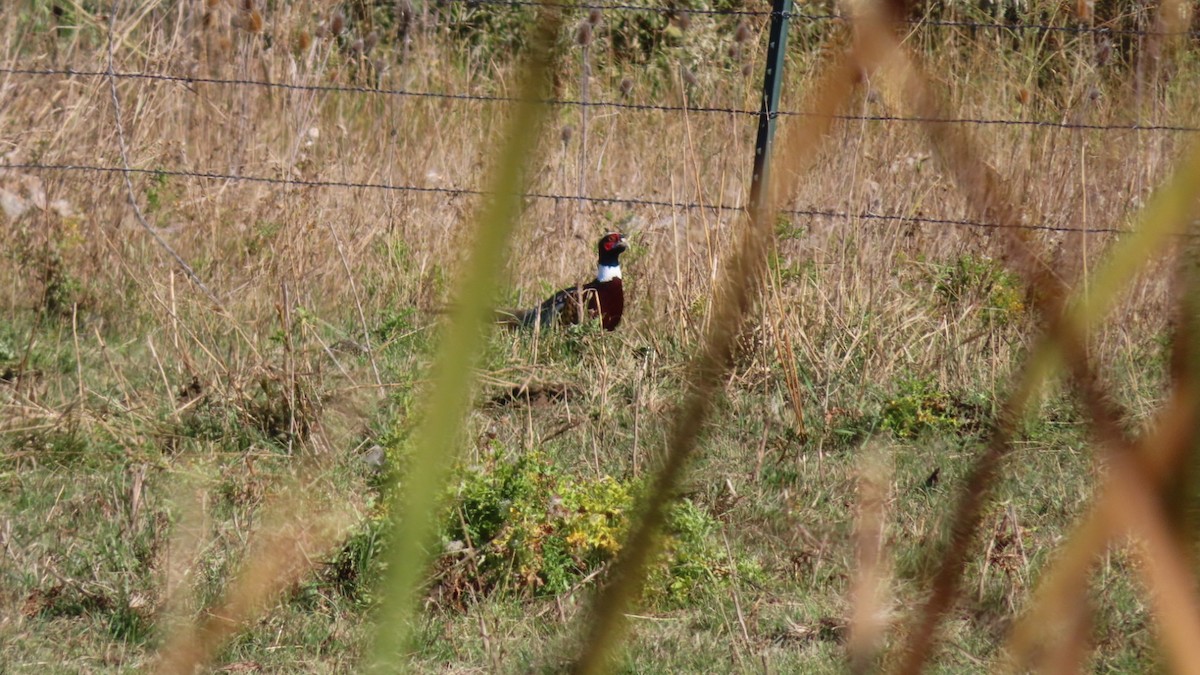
(602, 298)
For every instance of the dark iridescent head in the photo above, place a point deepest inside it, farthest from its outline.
(610, 248)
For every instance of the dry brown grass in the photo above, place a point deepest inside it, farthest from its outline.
(397, 140)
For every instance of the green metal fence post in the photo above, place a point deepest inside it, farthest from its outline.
(772, 83)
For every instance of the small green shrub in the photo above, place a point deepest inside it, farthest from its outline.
(538, 531)
(354, 572)
(62, 289)
(525, 527)
(129, 625)
(8, 351)
(158, 193)
(979, 279)
(789, 271)
(919, 407)
(786, 228)
(261, 237)
(693, 561)
(395, 324)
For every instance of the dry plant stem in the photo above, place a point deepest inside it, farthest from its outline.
(1064, 584)
(988, 193)
(967, 515)
(1165, 567)
(1064, 340)
(1071, 651)
(186, 542)
(1182, 488)
(362, 317)
(122, 146)
(78, 357)
(972, 176)
(866, 626)
(1161, 456)
(737, 601)
(584, 76)
(787, 362)
(293, 540)
(736, 292)
(417, 498)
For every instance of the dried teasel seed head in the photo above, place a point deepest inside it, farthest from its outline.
(303, 41)
(404, 11)
(370, 41)
(254, 21)
(1023, 96)
(747, 70)
(337, 23)
(684, 20)
(1083, 10)
(237, 21)
(1094, 94)
(594, 16)
(583, 34)
(1103, 51)
(565, 135)
(742, 33)
(626, 86)
(689, 78)
(356, 48)
(322, 32)
(735, 52)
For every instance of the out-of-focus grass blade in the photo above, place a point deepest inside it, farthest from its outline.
(1063, 343)
(1163, 455)
(434, 449)
(1182, 497)
(1166, 214)
(870, 579)
(1165, 568)
(297, 532)
(1164, 217)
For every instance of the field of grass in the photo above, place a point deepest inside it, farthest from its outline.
(203, 468)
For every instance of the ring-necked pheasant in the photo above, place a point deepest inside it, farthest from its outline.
(603, 297)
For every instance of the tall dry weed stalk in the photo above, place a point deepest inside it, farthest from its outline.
(736, 294)
(424, 483)
(1066, 326)
(296, 533)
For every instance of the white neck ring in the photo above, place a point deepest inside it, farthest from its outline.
(608, 273)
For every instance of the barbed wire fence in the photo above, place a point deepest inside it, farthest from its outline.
(635, 201)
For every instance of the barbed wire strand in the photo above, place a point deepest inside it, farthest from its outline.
(125, 171)
(805, 16)
(617, 7)
(592, 199)
(341, 88)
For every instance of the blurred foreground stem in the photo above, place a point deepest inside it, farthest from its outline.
(416, 501)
